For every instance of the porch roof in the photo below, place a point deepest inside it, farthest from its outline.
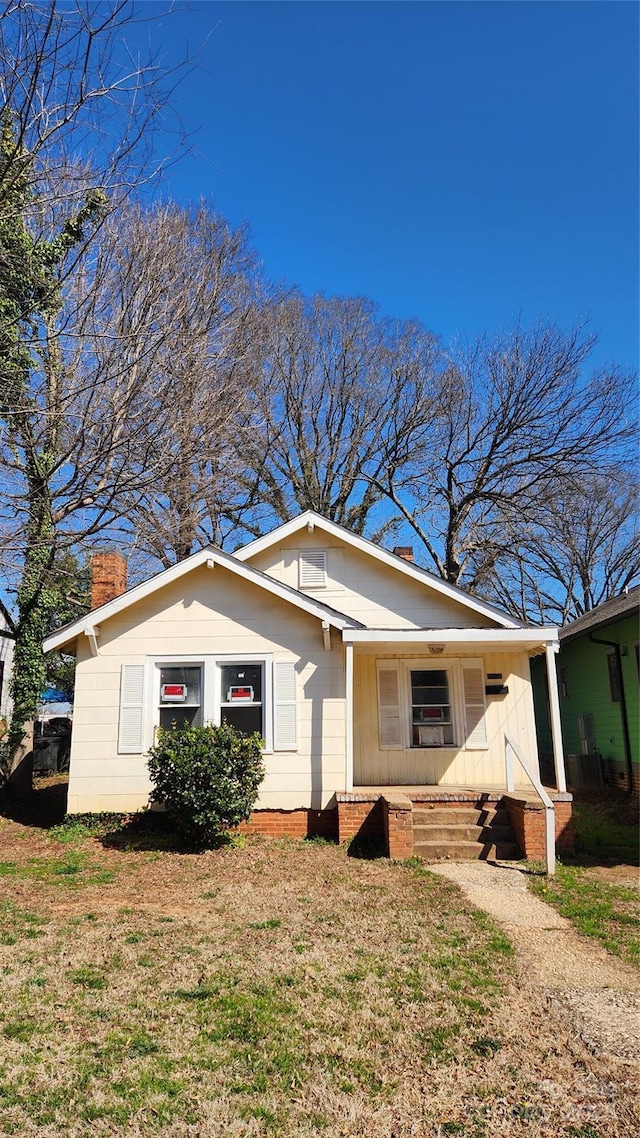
(529, 639)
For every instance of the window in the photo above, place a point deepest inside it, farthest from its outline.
(420, 705)
(253, 692)
(564, 682)
(180, 696)
(431, 724)
(241, 702)
(614, 677)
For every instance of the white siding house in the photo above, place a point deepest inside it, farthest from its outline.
(358, 669)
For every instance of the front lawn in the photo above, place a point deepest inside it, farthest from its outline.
(597, 889)
(281, 989)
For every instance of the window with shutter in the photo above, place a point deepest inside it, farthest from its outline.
(285, 732)
(312, 569)
(131, 724)
(390, 719)
(474, 704)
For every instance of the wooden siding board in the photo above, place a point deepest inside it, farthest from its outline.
(373, 593)
(512, 713)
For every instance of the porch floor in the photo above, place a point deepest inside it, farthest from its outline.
(424, 793)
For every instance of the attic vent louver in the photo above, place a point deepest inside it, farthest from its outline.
(312, 569)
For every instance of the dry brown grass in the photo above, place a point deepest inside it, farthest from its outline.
(282, 989)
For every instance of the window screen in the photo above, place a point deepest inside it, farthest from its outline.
(180, 696)
(241, 698)
(431, 724)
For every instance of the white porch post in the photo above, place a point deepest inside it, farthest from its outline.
(348, 777)
(554, 708)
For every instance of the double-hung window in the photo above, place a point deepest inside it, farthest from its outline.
(254, 693)
(180, 695)
(241, 704)
(431, 722)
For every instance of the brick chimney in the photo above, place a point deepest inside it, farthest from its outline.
(404, 551)
(108, 577)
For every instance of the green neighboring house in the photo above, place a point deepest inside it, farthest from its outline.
(598, 685)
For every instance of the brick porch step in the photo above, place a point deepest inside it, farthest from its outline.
(467, 851)
(463, 833)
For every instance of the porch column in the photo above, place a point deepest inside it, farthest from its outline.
(554, 710)
(348, 777)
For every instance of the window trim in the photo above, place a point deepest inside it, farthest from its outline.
(211, 687)
(614, 676)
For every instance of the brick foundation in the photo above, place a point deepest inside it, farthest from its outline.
(528, 821)
(292, 824)
(386, 822)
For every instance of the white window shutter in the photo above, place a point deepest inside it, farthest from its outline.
(130, 729)
(285, 709)
(312, 569)
(389, 708)
(474, 704)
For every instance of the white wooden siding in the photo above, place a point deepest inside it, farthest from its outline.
(208, 613)
(361, 587)
(450, 766)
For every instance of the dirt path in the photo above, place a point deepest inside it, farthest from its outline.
(598, 994)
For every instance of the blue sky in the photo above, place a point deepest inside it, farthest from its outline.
(458, 162)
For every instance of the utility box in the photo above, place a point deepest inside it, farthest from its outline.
(584, 771)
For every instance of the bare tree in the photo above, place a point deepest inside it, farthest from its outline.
(62, 170)
(581, 548)
(173, 304)
(516, 426)
(72, 86)
(346, 400)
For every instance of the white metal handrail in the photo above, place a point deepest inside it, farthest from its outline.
(512, 750)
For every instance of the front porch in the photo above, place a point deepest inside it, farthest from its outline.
(468, 822)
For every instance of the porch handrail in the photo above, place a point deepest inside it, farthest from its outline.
(513, 750)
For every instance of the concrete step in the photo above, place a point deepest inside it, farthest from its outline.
(462, 816)
(467, 851)
(462, 833)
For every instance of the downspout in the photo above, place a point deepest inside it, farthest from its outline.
(623, 708)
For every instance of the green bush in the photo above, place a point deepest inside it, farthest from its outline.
(206, 778)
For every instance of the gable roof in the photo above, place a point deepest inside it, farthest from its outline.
(438, 584)
(614, 609)
(210, 556)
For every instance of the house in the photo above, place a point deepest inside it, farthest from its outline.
(372, 682)
(598, 673)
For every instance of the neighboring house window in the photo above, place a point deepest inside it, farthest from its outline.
(180, 696)
(564, 682)
(420, 705)
(241, 697)
(312, 569)
(614, 677)
(587, 732)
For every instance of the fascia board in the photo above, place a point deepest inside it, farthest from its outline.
(491, 636)
(168, 576)
(391, 559)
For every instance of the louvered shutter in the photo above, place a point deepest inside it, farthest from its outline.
(389, 708)
(474, 704)
(130, 729)
(285, 729)
(312, 569)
